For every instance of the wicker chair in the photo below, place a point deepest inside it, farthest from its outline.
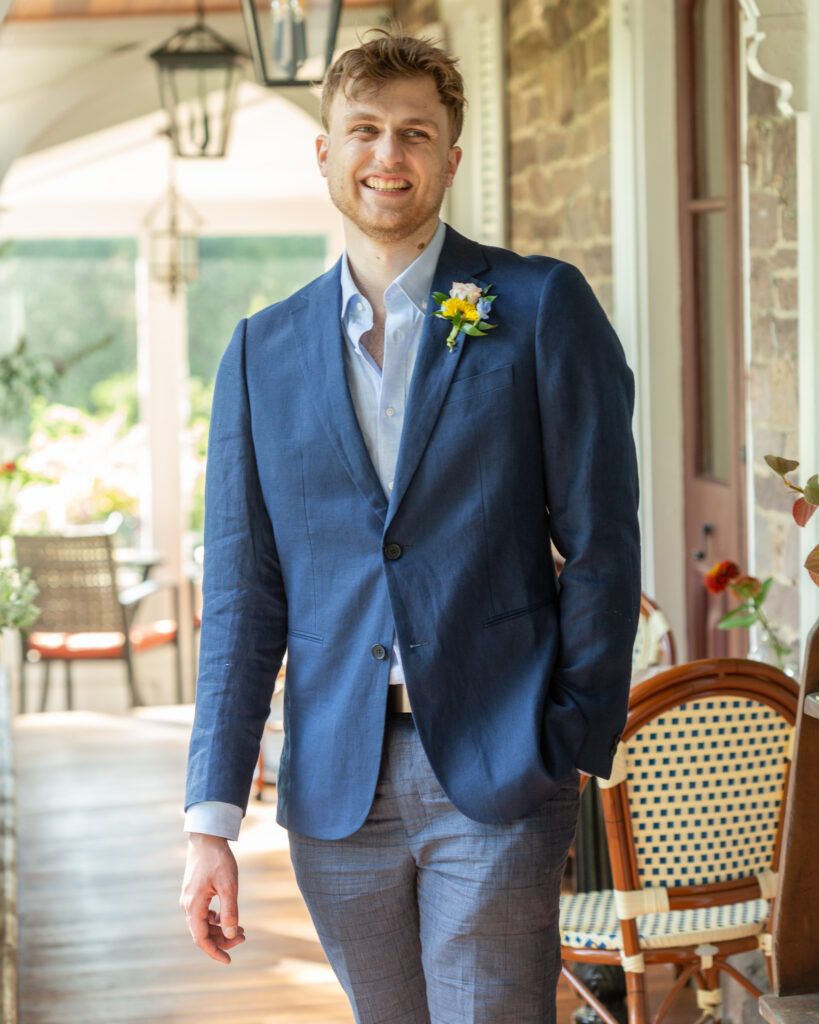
(83, 616)
(654, 642)
(693, 812)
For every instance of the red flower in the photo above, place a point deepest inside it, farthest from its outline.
(9, 467)
(718, 578)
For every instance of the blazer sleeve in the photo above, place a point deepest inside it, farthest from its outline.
(586, 398)
(244, 620)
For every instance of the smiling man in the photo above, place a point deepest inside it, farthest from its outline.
(383, 488)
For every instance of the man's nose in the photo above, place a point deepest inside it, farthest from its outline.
(389, 150)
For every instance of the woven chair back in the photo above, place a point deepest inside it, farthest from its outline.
(706, 751)
(77, 581)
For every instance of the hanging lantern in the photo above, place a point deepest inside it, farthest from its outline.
(294, 43)
(172, 224)
(197, 71)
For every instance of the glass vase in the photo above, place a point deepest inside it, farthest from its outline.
(763, 649)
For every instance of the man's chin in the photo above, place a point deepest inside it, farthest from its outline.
(395, 228)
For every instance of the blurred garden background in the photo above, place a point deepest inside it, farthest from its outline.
(73, 443)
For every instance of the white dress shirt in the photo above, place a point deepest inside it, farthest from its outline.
(379, 397)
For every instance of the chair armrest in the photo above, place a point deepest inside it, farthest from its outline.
(133, 595)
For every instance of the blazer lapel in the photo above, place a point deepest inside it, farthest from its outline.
(317, 324)
(461, 260)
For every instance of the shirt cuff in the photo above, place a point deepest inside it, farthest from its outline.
(214, 818)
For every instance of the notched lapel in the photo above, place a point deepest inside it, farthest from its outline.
(317, 325)
(461, 260)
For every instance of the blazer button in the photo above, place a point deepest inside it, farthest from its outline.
(379, 652)
(393, 552)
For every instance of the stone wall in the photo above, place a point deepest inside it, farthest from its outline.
(558, 121)
(773, 375)
(557, 99)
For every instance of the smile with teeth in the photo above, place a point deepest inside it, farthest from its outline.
(381, 185)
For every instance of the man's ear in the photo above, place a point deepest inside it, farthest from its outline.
(322, 143)
(453, 159)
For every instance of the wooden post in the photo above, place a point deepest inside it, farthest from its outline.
(796, 909)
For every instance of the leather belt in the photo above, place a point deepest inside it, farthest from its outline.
(398, 702)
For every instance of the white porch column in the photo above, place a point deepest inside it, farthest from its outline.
(807, 174)
(645, 254)
(162, 373)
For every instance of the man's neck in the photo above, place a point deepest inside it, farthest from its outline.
(375, 264)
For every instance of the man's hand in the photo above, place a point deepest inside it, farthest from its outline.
(211, 871)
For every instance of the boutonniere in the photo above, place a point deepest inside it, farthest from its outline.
(465, 307)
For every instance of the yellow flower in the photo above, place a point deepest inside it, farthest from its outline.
(454, 306)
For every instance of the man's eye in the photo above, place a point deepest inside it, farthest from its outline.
(416, 133)
(365, 129)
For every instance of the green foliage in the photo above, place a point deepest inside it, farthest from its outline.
(780, 465)
(237, 277)
(18, 593)
(803, 507)
(23, 375)
(77, 296)
(114, 393)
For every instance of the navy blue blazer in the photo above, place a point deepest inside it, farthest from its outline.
(517, 439)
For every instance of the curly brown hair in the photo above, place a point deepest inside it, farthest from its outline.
(389, 56)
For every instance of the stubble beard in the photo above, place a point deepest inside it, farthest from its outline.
(395, 227)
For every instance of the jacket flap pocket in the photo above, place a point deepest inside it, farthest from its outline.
(471, 387)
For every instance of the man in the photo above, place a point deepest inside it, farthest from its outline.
(382, 503)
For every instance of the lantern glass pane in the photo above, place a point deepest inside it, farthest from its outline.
(174, 256)
(199, 102)
(294, 38)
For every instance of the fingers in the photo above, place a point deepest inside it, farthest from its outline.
(229, 912)
(216, 932)
(211, 871)
(205, 934)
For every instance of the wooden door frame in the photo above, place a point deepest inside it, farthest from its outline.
(702, 610)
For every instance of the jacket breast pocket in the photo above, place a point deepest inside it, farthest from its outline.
(469, 388)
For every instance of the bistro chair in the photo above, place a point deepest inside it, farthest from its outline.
(654, 642)
(83, 615)
(653, 650)
(693, 813)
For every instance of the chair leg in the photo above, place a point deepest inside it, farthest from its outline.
(129, 668)
(69, 687)
(709, 999)
(636, 998)
(22, 691)
(46, 683)
(177, 655)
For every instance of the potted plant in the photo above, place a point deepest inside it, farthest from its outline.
(804, 505)
(18, 592)
(751, 593)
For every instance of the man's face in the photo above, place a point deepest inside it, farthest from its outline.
(387, 158)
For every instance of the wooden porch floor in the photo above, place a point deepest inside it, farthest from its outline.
(101, 855)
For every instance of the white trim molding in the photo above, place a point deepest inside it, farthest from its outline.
(775, 38)
(646, 286)
(477, 201)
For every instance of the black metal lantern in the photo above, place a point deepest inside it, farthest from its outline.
(197, 80)
(293, 45)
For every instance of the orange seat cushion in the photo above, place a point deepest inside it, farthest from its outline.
(81, 646)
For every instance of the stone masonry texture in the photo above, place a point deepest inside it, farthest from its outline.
(773, 371)
(559, 146)
(557, 101)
